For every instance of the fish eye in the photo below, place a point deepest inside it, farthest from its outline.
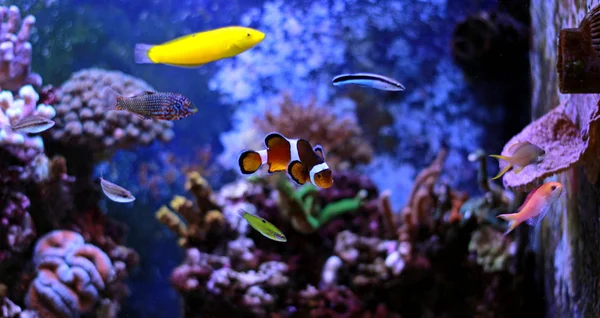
(553, 187)
(318, 176)
(264, 221)
(248, 34)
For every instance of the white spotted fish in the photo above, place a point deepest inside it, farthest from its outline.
(369, 80)
(116, 193)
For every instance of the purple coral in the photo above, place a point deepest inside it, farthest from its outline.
(70, 275)
(15, 50)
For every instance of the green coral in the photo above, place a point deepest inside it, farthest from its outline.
(301, 206)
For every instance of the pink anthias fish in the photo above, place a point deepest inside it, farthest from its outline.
(536, 205)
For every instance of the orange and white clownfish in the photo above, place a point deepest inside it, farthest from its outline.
(302, 162)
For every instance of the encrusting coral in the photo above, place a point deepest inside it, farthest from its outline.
(15, 50)
(82, 120)
(199, 222)
(340, 138)
(569, 134)
(70, 275)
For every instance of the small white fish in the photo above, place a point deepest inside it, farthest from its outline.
(115, 192)
(32, 124)
(369, 80)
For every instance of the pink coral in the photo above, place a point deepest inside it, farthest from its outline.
(70, 275)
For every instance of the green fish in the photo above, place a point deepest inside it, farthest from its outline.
(263, 226)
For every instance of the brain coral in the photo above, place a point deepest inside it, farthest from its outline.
(82, 120)
(70, 275)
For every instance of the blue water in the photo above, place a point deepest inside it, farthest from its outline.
(406, 39)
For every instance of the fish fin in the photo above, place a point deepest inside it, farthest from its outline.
(273, 140)
(508, 166)
(536, 220)
(512, 219)
(249, 161)
(505, 158)
(319, 150)
(140, 53)
(185, 66)
(111, 100)
(298, 172)
(241, 212)
(515, 171)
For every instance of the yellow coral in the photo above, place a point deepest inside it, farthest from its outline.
(171, 220)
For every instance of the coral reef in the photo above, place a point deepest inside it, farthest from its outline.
(16, 51)
(81, 119)
(341, 138)
(345, 242)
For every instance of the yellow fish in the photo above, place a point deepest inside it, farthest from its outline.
(199, 48)
(263, 226)
(535, 206)
(523, 154)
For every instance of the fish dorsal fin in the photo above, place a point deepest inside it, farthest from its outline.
(536, 220)
(529, 196)
(298, 173)
(275, 140)
(319, 150)
(148, 93)
(516, 146)
(183, 37)
(307, 154)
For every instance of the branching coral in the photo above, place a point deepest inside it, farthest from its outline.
(340, 137)
(199, 222)
(14, 108)
(70, 276)
(15, 50)
(82, 120)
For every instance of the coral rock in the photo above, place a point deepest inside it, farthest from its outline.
(82, 120)
(565, 144)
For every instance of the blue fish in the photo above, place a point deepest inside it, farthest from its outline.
(369, 80)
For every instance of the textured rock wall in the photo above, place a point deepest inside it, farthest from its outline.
(567, 243)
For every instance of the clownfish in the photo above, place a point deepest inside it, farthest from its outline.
(302, 162)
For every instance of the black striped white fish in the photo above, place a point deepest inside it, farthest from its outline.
(369, 80)
(116, 193)
(32, 124)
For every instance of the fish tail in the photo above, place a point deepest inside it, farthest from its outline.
(508, 166)
(141, 53)
(250, 160)
(513, 221)
(111, 99)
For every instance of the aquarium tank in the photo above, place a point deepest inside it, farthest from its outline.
(271, 158)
